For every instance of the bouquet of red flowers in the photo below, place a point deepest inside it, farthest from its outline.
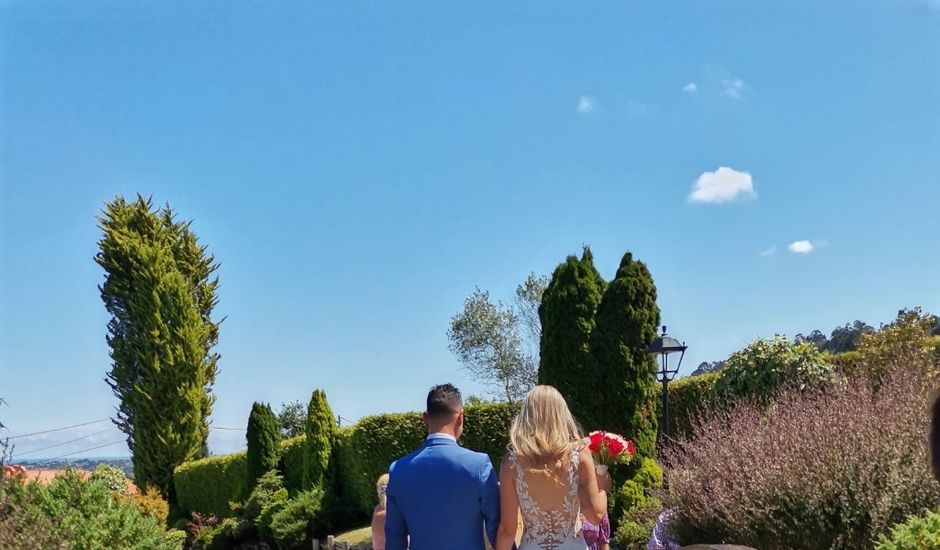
(610, 448)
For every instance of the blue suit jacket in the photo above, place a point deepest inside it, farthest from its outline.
(441, 496)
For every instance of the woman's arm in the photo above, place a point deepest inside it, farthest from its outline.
(593, 498)
(509, 506)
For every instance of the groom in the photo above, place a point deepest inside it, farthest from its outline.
(442, 495)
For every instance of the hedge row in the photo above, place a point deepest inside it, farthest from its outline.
(362, 453)
(208, 485)
(689, 397)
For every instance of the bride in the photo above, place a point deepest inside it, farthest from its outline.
(549, 476)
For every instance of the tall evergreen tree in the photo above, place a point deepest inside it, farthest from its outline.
(567, 314)
(318, 447)
(160, 291)
(264, 441)
(626, 323)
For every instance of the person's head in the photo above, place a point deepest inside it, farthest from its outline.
(544, 430)
(445, 411)
(380, 486)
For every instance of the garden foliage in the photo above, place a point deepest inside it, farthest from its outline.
(320, 431)
(920, 532)
(264, 442)
(72, 513)
(813, 470)
(160, 290)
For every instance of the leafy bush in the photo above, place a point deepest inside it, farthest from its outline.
(270, 487)
(815, 470)
(264, 438)
(296, 522)
(72, 513)
(764, 366)
(208, 485)
(149, 503)
(113, 478)
(917, 533)
(634, 507)
(175, 538)
(895, 347)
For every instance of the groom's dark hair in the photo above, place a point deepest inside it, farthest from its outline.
(444, 401)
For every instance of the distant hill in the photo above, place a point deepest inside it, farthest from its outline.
(122, 463)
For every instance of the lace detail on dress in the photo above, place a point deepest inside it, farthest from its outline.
(555, 528)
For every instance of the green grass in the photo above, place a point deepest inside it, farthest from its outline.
(356, 536)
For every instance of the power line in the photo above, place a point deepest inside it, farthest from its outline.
(18, 455)
(85, 450)
(60, 429)
(224, 428)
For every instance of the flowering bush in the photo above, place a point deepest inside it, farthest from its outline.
(764, 366)
(810, 471)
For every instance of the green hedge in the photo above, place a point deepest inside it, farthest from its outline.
(208, 485)
(362, 453)
(689, 397)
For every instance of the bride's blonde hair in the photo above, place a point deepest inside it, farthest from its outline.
(544, 431)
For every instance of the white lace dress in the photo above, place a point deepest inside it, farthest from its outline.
(551, 510)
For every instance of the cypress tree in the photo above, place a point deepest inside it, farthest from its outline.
(160, 292)
(318, 447)
(626, 323)
(567, 315)
(264, 439)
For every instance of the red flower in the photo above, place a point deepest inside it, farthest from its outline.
(597, 439)
(631, 449)
(614, 447)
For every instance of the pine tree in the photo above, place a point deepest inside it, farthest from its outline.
(160, 291)
(626, 323)
(264, 441)
(318, 447)
(567, 314)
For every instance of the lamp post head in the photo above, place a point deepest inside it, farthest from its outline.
(664, 345)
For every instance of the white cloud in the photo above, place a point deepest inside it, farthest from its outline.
(769, 252)
(723, 185)
(733, 87)
(801, 247)
(690, 88)
(586, 104)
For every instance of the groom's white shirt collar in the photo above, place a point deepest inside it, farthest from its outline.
(438, 435)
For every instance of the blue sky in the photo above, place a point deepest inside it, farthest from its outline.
(358, 167)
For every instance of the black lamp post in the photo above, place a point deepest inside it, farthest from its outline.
(663, 346)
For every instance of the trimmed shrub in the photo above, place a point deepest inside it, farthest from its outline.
(814, 470)
(917, 533)
(264, 440)
(318, 446)
(690, 398)
(373, 444)
(292, 461)
(296, 522)
(361, 454)
(765, 366)
(208, 485)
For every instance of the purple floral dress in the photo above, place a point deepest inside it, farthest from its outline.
(596, 535)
